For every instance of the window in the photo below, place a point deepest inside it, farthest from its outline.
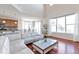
(63, 24)
(37, 27)
(70, 21)
(70, 29)
(32, 26)
(27, 25)
(53, 25)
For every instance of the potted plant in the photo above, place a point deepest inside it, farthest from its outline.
(45, 31)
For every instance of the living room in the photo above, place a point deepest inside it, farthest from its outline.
(39, 28)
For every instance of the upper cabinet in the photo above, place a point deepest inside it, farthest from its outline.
(9, 22)
(13, 23)
(6, 22)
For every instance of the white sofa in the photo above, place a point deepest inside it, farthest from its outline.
(30, 37)
(13, 43)
(4, 45)
(17, 45)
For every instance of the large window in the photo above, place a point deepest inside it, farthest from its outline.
(70, 21)
(63, 24)
(31, 26)
(27, 26)
(53, 25)
(37, 27)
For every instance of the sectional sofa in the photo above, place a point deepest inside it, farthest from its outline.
(30, 37)
(17, 45)
(15, 42)
(4, 45)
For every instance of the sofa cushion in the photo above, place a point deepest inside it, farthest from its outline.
(38, 37)
(30, 37)
(14, 36)
(34, 33)
(4, 45)
(25, 51)
(26, 35)
(16, 45)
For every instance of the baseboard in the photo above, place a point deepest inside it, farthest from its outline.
(58, 38)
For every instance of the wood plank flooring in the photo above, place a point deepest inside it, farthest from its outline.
(64, 47)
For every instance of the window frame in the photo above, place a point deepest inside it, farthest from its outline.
(53, 25)
(30, 23)
(65, 23)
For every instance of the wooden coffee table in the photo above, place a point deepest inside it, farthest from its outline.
(45, 45)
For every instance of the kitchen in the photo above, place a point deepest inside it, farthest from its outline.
(8, 26)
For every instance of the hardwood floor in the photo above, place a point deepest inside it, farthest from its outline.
(64, 47)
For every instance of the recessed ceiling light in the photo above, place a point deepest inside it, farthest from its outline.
(4, 21)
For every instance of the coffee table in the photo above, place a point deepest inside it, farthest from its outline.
(45, 45)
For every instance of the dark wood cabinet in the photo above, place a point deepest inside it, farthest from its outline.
(13, 23)
(9, 22)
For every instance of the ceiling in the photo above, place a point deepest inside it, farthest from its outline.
(37, 10)
(30, 9)
(21, 10)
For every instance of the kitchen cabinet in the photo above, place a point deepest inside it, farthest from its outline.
(6, 22)
(13, 23)
(9, 22)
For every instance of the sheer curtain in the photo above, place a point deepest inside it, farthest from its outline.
(37, 27)
(76, 30)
